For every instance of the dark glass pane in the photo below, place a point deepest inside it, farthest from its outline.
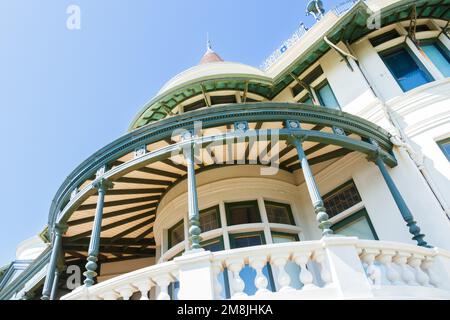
(340, 200)
(357, 225)
(375, 41)
(243, 213)
(405, 69)
(297, 89)
(213, 245)
(439, 56)
(209, 219)
(445, 147)
(245, 241)
(176, 234)
(306, 100)
(327, 97)
(422, 27)
(194, 106)
(279, 213)
(223, 99)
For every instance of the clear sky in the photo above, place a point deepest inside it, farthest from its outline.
(66, 93)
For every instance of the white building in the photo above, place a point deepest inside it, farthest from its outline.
(324, 175)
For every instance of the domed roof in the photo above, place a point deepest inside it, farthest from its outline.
(213, 66)
(212, 73)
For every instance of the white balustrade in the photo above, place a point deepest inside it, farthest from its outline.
(261, 281)
(319, 258)
(217, 269)
(305, 276)
(279, 260)
(332, 268)
(404, 265)
(124, 286)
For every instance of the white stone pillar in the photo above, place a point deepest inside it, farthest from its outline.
(196, 276)
(347, 271)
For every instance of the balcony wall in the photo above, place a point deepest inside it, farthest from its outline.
(331, 268)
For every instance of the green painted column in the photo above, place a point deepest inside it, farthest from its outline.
(314, 193)
(55, 285)
(58, 232)
(401, 204)
(194, 216)
(102, 185)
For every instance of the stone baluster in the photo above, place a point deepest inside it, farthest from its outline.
(109, 295)
(237, 284)
(144, 287)
(126, 291)
(406, 274)
(283, 278)
(217, 268)
(427, 263)
(373, 273)
(319, 258)
(261, 282)
(415, 262)
(163, 282)
(385, 258)
(305, 276)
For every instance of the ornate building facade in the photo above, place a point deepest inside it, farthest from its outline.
(324, 174)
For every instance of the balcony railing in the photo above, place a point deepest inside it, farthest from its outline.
(331, 268)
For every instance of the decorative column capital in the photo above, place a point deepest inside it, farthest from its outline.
(241, 126)
(102, 184)
(60, 228)
(292, 124)
(376, 155)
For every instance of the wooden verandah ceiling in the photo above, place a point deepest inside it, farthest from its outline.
(130, 207)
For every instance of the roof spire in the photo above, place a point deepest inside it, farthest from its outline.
(208, 43)
(210, 55)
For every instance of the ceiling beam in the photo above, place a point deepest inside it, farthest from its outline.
(132, 229)
(158, 172)
(178, 166)
(115, 214)
(118, 192)
(322, 158)
(118, 250)
(309, 151)
(108, 242)
(113, 225)
(122, 202)
(144, 181)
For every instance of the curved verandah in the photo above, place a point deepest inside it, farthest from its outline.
(145, 163)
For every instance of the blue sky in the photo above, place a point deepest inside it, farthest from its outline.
(66, 93)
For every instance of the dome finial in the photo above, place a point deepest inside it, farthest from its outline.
(210, 55)
(208, 43)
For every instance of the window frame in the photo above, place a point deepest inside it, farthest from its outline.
(169, 234)
(214, 240)
(280, 204)
(219, 222)
(335, 190)
(228, 211)
(440, 143)
(353, 217)
(322, 84)
(233, 236)
(441, 47)
(285, 235)
(413, 56)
